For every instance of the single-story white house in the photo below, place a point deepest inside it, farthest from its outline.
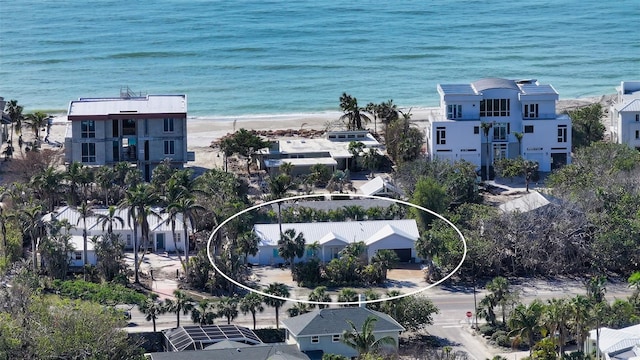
(161, 237)
(380, 187)
(76, 256)
(397, 235)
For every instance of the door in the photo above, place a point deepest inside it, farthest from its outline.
(159, 242)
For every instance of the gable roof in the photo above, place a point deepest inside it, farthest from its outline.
(350, 231)
(73, 216)
(631, 106)
(331, 321)
(612, 340)
(387, 231)
(377, 185)
(332, 238)
(528, 202)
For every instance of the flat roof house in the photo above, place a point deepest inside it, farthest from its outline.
(503, 108)
(141, 130)
(625, 115)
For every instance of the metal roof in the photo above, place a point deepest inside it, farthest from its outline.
(331, 321)
(529, 89)
(196, 337)
(631, 106)
(351, 231)
(234, 351)
(336, 204)
(377, 185)
(158, 221)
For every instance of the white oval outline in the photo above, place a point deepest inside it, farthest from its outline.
(362, 302)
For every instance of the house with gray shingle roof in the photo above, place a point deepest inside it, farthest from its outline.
(321, 330)
(397, 235)
(625, 115)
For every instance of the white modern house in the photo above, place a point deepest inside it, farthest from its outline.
(161, 236)
(331, 151)
(320, 331)
(142, 130)
(625, 115)
(397, 235)
(502, 108)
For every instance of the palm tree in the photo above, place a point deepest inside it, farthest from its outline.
(109, 219)
(76, 175)
(187, 206)
(319, 294)
(152, 309)
(277, 289)
(228, 307)
(485, 130)
(137, 200)
(499, 288)
(106, 181)
(291, 245)
(556, 317)
(286, 168)
(347, 295)
(364, 341)
(313, 249)
(354, 115)
(203, 313)
(15, 114)
(486, 309)
(31, 222)
(37, 121)
(386, 259)
(47, 185)
(278, 188)
(182, 304)
(525, 321)
(596, 288)
(298, 309)
(580, 306)
(247, 244)
(252, 302)
(85, 210)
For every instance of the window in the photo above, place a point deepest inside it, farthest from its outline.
(77, 255)
(637, 134)
(169, 147)
(500, 131)
(178, 238)
(528, 129)
(495, 107)
(476, 129)
(499, 151)
(441, 136)
(637, 117)
(88, 152)
(276, 253)
(168, 125)
(128, 239)
(88, 129)
(454, 111)
(336, 338)
(530, 111)
(315, 339)
(562, 133)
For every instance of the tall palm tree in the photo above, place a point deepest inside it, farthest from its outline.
(580, 307)
(47, 185)
(152, 309)
(499, 288)
(277, 289)
(385, 259)
(85, 210)
(247, 244)
(525, 321)
(32, 225)
(354, 116)
(106, 180)
(187, 206)
(252, 303)
(137, 202)
(36, 121)
(228, 307)
(319, 294)
(15, 114)
(486, 126)
(291, 245)
(182, 304)
(76, 175)
(364, 341)
(556, 318)
(278, 188)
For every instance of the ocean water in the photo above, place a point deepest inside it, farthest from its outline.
(245, 58)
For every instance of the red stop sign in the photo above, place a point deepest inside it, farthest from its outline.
(469, 314)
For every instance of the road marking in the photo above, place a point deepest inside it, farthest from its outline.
(451, 326)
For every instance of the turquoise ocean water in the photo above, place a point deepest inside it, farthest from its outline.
(235, 58)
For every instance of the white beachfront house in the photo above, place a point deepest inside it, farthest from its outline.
(332, 151)
(397, 235)
(161, 237)
(141, 130)
(625, 115)
(455, 130)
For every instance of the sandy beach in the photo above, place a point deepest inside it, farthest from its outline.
(203, 131)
